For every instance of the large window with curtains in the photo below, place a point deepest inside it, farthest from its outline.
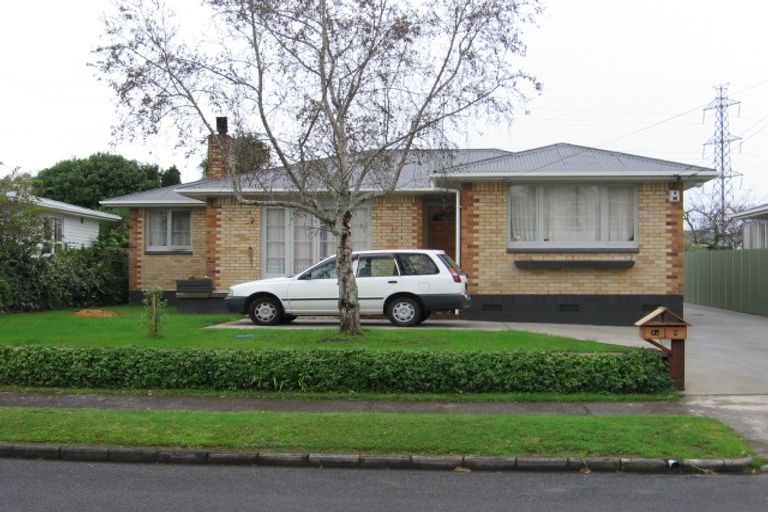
(564, 216)
(293, 240)
(169, 229)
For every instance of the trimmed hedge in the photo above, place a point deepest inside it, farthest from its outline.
(637, 371)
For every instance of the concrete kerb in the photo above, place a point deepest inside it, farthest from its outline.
(326, 460)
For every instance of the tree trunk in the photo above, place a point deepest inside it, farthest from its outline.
(349, 310)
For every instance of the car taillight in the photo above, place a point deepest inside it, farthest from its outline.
(455, 275)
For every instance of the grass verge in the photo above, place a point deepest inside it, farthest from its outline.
(670, 395)
(677, 437)
(62, 328)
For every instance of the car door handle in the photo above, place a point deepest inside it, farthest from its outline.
(391, 282)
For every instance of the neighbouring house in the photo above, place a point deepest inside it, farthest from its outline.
(68, 225)
(755, 227)
(561, 233)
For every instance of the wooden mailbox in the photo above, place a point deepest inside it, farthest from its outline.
(663, 324)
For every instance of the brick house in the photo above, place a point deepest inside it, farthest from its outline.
(561, 233)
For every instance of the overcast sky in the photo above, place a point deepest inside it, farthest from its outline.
(613, 72)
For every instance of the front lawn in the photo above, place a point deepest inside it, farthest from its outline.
(677, 437)
(62, 328)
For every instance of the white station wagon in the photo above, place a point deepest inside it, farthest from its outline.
(405, 285)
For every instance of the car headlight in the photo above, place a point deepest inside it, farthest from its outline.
(230, 293)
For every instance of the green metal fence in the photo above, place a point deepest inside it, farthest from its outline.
(733, 280)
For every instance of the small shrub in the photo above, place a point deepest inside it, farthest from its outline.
(637, 371)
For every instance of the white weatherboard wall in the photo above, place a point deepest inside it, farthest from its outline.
(78, 231)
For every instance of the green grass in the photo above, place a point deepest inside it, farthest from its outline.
(307, 395)
(61, 328)
(677, 437)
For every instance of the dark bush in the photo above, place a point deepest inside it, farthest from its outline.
(637, 371)
(95, 276)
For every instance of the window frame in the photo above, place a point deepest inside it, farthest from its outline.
(169, 247)
(53, 235)
(541, 245)
(317, 241)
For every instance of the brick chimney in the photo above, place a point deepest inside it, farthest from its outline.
(219, 144)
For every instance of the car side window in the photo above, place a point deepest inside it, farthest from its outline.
(416, 264)
(376, 266)
(325, 271)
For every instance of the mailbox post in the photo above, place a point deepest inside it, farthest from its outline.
(663, 324)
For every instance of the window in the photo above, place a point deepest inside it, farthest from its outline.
(376, 266)
(325, 271)
(755, 234)
(169, 230)
(293, 239)
(572, 216)
(53, 235)
(417, 264)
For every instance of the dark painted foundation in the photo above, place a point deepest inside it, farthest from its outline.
(559, 309)
(569, 309)
(187, 302)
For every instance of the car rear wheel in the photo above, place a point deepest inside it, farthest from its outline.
(404, 311)
(265, 311)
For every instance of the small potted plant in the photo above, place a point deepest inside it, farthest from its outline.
(194, 285)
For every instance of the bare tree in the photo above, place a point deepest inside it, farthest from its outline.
(707, 227)
(342, 90)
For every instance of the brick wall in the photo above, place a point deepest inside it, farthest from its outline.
(162, 269)
(239, 243)
(398, 222)
(657, 269)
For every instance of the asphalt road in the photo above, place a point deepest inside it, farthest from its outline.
(31, 486)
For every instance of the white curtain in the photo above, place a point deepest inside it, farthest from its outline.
(621, 215)
(181, 229)
(572, 213)
(303, 240)
(158, 228)
(523, 212)
(275, 242)
(361, 229)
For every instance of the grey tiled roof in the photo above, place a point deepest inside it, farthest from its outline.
(568, 159)
(62, 207)
(427, 169)
(416, 174)
(165, 196)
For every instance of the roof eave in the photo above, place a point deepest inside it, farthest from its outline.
(150, 204)
(94, 216)
(759, 213)
(690, 179)
(256, 192)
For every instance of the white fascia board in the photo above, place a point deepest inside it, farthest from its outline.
(73, 209)
(689, 178)
(756, 213)
(255, 192)
(151, 204)
(76, 213)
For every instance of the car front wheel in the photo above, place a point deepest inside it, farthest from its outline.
(404, 311)
(265, 311)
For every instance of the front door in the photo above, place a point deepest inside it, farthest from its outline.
(441, 229)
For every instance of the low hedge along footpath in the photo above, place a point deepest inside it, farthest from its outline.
(636, 371)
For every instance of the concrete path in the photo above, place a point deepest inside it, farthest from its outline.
(236, 404)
